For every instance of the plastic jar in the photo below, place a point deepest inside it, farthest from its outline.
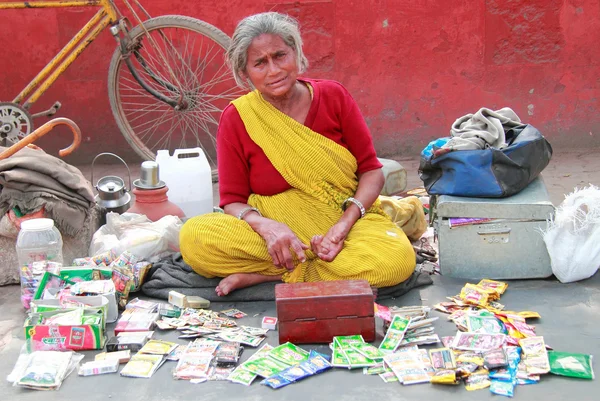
(39, 249)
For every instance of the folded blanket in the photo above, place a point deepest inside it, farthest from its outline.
(485, 128)
(173, 274)
(31, 179)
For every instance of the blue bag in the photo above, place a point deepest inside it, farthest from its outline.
(486, 173)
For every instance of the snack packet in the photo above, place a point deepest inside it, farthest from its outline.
(505, 388)
(444, 377)
(571, 364)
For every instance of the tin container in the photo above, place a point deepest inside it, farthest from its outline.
(508, 246)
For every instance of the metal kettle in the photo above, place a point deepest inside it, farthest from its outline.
(112, 195)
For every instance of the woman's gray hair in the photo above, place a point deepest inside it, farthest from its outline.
(253, 26)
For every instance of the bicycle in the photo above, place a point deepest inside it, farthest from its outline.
(167, 81)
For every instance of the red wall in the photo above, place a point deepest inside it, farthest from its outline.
(414, 67)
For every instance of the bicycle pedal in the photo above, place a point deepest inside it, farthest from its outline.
(50, 112)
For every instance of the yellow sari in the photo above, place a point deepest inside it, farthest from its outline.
(322, 175)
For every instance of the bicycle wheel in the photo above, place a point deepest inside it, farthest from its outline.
(184, 59)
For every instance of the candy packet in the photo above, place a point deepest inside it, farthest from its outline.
(477, 380)
(235, 313)
(142, 365)
(241, 376)
(296, 373)
(220, 373)
(318, 361)
(442, 359)
(536, 357)
(470, 357)
(444, 377)
(158, 347)
(368, 350)
(374, 370)
(505, 388)
(264, 366)
(473, 294)
(395, 334)
(338, 358)
(275, 382)
(289, 354)
(571, 364)
(228, 353)
(495, 358)
(356, 359)
(497, 286)
(478, 342)
(388, 376)
(484, 324)
(192, 366)
(255, 331)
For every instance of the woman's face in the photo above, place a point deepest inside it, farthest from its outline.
(271, 66)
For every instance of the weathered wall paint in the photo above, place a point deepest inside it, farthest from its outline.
(413, 67)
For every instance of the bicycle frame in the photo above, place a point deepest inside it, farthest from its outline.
(106, 15)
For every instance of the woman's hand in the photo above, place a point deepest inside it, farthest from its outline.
(281, 242)
(329, 246)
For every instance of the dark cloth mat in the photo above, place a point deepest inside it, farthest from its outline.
(173, 274)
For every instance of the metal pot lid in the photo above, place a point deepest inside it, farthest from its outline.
(110, 184)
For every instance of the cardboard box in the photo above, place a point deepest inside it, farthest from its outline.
(41, 337)
(49, 305)
(316, 312)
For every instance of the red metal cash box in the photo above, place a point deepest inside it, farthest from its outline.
(316, 312)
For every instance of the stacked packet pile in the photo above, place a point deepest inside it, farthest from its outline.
(149, 358)
(209, 324)
(420, 329)
(128, 271)
(280, 366)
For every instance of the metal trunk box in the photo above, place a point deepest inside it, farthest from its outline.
(316, 312)
(509, 246)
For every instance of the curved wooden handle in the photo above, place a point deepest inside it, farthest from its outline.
(41, 131)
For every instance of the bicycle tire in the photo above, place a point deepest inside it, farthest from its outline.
(144, 146)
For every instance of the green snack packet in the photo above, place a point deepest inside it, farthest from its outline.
(265, 366)
(368, 350)
(347, 341)
(571, 365)
(338, 359)
(356, 359)
(289, 353)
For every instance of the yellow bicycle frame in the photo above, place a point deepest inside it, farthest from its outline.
(104, 17)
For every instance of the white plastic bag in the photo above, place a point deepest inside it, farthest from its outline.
(573, 236)
(137, 234)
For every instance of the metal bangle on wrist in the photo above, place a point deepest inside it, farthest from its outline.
(247, 210)
(357, 203)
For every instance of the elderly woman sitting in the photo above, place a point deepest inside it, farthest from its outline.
(299, 177)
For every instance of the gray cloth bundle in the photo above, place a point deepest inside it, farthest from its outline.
(32, 179)
(172, 273)
(485, 128)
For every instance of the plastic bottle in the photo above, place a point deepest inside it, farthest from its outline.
(39, 249)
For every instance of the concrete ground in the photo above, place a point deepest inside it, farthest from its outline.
(569, 323)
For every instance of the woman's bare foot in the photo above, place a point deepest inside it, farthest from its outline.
(242, 280)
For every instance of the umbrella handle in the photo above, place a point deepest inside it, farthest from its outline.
(43, 130)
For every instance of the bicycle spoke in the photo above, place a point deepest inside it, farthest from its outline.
(185, 65)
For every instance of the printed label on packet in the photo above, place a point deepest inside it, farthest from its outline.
(395, 334)
(289, 353)
(368, 350)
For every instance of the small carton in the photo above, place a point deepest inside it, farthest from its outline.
(177, 299)
(269, 323)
